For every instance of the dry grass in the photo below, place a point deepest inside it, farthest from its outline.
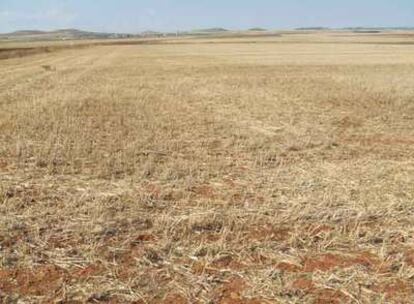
(209, 173)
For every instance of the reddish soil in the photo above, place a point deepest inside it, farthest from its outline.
(328, 261)
(348, 122)
(330, 296)
(231, 293)
(227, 262)
(88, 271)
(9, 241)
(56, 241)
(3, 164)
(315, 230)
(258, 259)
(303, 284)
(222, 263)
(236, 198)
(208, 237)
(40, 281)
(288, 267)
(229, 182)
(199, 268)
(154, 191)
(143, 238)
(239, 198)
(204, 191)
(395, 289)
(174, 299)
(127, 263)
(320, 295)
(268, 232)
(409, 257)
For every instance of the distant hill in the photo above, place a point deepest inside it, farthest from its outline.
(257, 29)
(316, 28)
(378, 28)
(75, 34)
(211, 30)
(152, 34)
(24, 33)
(62, 34)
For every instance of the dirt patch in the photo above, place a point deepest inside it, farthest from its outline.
(208, 237)
(3, 164)
(245, 198)
(153, 191)
(326, 262)
(144, 238)
(395, 289)
(409, 257)
(215, 267)
(227, 262)
(268, 232)
(40, 281)
(174, 299)
(156, 192)
(315, 230)
(207, 226)
(330, 296)
(199, 268)
(204, 191)
(231, 293)
(88, 272)
(258, 259)
(126, 262)
(62, 241)
(303, 284)
(320, 295)
(348, 122)
(288, 267)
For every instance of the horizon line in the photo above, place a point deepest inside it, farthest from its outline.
(219, 28)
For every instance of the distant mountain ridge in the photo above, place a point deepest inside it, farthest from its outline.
(75, 34)
(257, 29)
(25, 32)
(356, 28)
(61, 34)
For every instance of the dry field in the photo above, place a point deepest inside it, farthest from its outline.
(229, 171)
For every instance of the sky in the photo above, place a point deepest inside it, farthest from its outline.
(132, 16)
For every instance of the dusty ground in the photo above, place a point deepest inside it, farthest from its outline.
(279, 171)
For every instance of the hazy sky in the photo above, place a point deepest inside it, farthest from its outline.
(139, 15)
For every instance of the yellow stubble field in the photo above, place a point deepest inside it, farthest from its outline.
(233, 170)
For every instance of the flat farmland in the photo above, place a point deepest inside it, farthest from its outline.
(232, 171)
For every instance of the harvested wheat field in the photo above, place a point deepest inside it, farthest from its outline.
(239, 171)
